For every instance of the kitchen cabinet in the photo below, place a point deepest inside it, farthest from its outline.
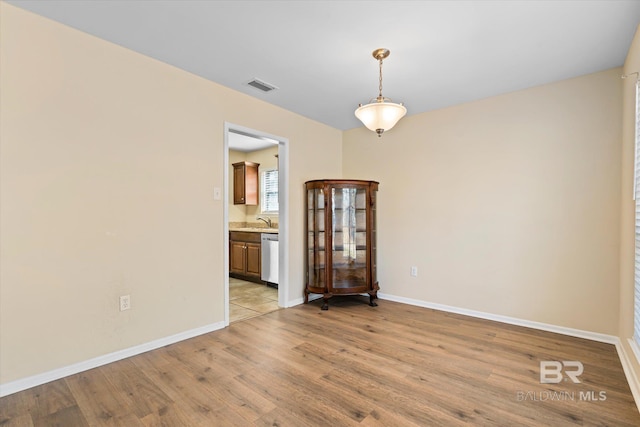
(245, 256)
(245, 183)
(341, 251)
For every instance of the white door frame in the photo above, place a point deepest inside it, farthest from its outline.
(283, 213)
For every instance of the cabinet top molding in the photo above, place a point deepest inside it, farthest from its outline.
(321, 182)
(245, 164)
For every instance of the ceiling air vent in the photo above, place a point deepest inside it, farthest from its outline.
(259, 84)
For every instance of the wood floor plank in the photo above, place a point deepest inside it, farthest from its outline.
(16, 408)
(99, 400)
(134, 387)
(69, 416)
(186, 389)
(415, 407)
(22, 420)
(168, 416)
(381, 418)
(353, 365)
(246, 401)
(54, 397)
(282, 416)
(214, 369)
(306, 401)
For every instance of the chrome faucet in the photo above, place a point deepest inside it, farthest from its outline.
(266, 221)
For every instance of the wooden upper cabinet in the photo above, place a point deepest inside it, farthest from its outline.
(245, 183)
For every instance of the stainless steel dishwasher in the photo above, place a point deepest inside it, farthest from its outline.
(269, 265)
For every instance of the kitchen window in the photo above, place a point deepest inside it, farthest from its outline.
(269, 192)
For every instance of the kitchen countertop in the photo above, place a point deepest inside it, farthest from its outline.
(256, 230)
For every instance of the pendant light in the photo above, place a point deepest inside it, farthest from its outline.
(380, 114)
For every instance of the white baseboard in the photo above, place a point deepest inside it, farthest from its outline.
(298, 301)
(610, 339)
(629, 372)
(295, 302)
(45, 377)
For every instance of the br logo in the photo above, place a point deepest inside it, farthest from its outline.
(551, 371)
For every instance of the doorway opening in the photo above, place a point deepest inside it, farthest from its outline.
(256, 244)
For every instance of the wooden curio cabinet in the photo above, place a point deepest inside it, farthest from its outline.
(341, 239)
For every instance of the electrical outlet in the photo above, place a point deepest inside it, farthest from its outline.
(217, 193)
(414, 271)
(125, 302)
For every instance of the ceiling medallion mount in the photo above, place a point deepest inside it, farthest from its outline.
(381, 53)
(380, 114)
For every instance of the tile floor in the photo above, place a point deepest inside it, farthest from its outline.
(247, 299)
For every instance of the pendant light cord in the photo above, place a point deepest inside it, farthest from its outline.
(380, 87)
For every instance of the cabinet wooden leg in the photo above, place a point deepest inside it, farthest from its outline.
(372, 298)
(306, 296)
(325, 304)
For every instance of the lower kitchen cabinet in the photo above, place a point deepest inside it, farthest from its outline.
(245, 256)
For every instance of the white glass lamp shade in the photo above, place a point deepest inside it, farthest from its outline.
(380, 116)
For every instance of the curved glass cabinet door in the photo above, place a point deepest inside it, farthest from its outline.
(316, 241)
(349, 238)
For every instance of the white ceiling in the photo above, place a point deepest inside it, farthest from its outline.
(318, 53)
(247, 143)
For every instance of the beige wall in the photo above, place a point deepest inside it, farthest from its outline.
(109, 160)
(632, 65)
(508, 205)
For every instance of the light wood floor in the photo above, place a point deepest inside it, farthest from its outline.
(353, 365)
(247, 299)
